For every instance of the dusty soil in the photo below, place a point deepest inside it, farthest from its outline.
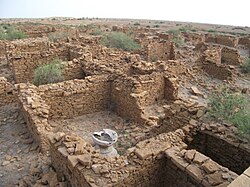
(85, 125)
(18, 154)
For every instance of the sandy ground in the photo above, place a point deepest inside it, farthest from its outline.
(18, 154)
(85, 125)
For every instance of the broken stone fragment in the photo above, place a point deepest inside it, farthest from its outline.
(189, 155)
(85, 159)
(210, 166)
(200, 158)
(80, 148)
(196, 91)
(215, 178)
(96, 168)
(195, 172)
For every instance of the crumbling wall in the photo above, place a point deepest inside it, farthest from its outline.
(211, 63)
(191, 168)
(2, 49)
(179, 114)
(150, 88)
(230, 56)
(245, 41)
(27, 45)
(158, 161)
(230, 41)
(72, 70)
(165, 36)
(160, 50)
(7, 92)
(124, 98)
(24, 56)
(171, 88)
(80, 163)
(35, 31)
(35, 112)
(194, 37)
(217, 71)
(77, 96)
(234, 155)
(212, 55)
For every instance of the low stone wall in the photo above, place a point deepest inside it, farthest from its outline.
(212, 54)
(84, 166)
(73, 70)
(230, 41)
(7, 92)
(160, 50)
(130, 95)
(158, 161)
(36, 30)
(79, 97)
(27, 45)
(2, 49)
(191, 168)
(24, 56)
(149, 88)
(35, 112)
(230, 56)
(217, 71)
(245, 41)
(179, 114)
(124, 99)
(234, 155)
(194, 37)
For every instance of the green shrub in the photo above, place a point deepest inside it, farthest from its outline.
(173, 31)
(121, 41)
(136, 24)
(56, 36)
(156, 26)
(245, 68)
(183, 29)
(8, 32)
(231, 107)
(96, 32)
(211, 30)
(48, 73)
(179, 41)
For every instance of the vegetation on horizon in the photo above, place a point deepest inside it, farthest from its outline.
(8, 32)
(120, 40)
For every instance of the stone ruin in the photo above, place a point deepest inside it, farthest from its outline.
(164, 141)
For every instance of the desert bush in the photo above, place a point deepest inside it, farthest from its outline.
(179, 41)
(120, 40)
(156, 26)
(245, 68)
(173, 31)
(96, 32)
(183, 29)
(8, 32)
(136, 24)
(233, 107)
(211, 30)
(48, 73)
(56, 36)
